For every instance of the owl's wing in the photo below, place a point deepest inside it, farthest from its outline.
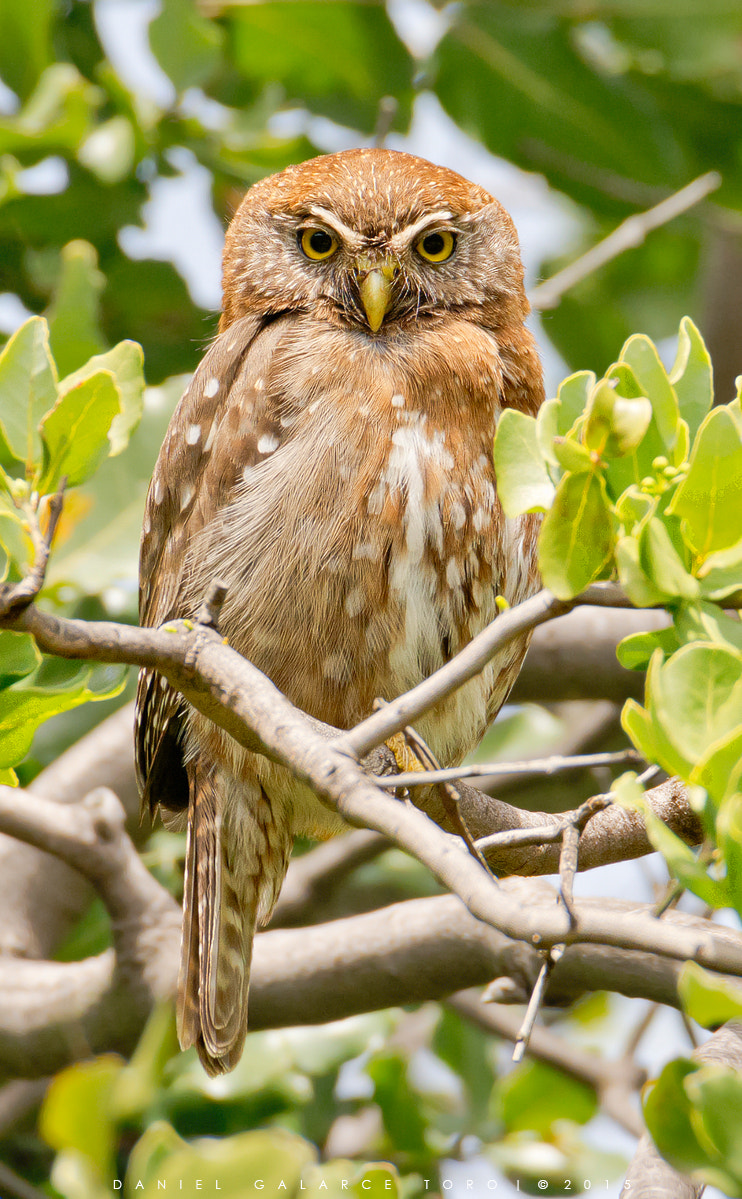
(187, 488)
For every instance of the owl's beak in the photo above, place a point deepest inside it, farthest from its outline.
(375, 286)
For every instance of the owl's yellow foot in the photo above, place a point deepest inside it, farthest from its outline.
(405, 757)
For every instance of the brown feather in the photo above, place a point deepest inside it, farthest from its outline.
(340, 480)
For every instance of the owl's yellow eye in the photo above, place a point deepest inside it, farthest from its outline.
(318, 243)
(436, 247)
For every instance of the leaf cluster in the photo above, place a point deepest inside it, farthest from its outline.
(53, 433)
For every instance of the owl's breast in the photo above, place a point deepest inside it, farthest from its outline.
(365, 544)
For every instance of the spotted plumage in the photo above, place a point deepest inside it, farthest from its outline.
(331, 461)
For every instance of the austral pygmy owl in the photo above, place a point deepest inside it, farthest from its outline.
(331, 461)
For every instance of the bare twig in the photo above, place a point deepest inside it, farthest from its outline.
(533, 767)
(551, 959)
(569, 856)
(630, 233)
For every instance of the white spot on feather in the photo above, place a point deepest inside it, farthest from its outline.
(355, 601)
(268, 443)
(211, 388)
(193, 434)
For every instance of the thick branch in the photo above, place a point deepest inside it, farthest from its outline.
(53, 1013)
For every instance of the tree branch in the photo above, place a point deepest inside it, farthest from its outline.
(630, 233)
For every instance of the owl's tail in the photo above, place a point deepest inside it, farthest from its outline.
(226, 881)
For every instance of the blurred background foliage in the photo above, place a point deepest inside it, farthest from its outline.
(616, 104)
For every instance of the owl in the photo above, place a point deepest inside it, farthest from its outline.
(331, 462)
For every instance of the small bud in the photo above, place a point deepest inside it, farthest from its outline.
(659, 463)
(501, 603)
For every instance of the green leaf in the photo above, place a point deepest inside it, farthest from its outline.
(716, 1093)
(25, 43)
(696, 697)
(75, 433)
(641, 355)
(74, 314)
(729, 833)
(28, 389)
(336, 59)
(633, 507)
(377, 1180)
(615, 423)
(709, 499)
(270, 1155)
(139, 1081)
(515, 77)
(572, 456)
(692, 376)
(523, 483)
(683, 864)
(125, 362)
(720, 575)
(707, 622)
(101, 545)
(662, 564)
(18, 656)
(76, 1113)
(635, 651)
(23, 709)
(707, 998)
(632, 576)
(573, 394)
(399, 1104)
(668, 1113)
(537, 1095)
(186, 45)
(650, 738)
(547, 428)
(15, 540)
(464, 1048)
(576, 537)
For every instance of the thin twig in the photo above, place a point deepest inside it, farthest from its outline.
(537, 767)
(534, 1003)
(630, 233)
(15, 597)
(569, 856)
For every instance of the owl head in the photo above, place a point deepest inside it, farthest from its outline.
(373, 239)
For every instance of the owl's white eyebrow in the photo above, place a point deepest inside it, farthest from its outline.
(350, 236)
(407, 235)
